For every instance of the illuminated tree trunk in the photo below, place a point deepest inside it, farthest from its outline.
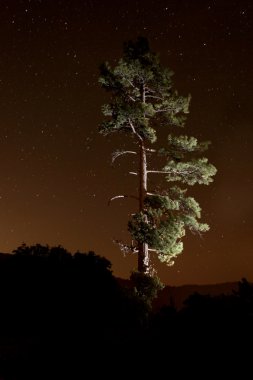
(143, 255)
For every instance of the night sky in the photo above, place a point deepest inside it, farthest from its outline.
(55, 168)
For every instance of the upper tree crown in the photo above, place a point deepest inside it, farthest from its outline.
(143, 93)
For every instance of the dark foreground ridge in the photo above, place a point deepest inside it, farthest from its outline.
(64, 314)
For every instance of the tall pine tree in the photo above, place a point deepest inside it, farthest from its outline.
(142, 102)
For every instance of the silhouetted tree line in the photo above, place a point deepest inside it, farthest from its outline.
(55, 305)
(62, 308)
(44, 288)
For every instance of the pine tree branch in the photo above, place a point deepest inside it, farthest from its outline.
(172, 171)
(154, 97)
(125, 248)
(134, 130)
(133, 173)
(118, 153)
(122, 196)
(150, 90)
(131, 84)
(163, 110)
(158, 172)
(131, 98)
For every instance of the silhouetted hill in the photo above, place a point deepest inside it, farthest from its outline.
(4, 256)
(176, 295)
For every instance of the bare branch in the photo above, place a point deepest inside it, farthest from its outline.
(122, 196)
(125, 248)
(134, 130)
(150, 90)
(131, 98)
(133, 173)
(131, 83)
(119, 153)
(153, 250)
(154, 97)
(151, 150)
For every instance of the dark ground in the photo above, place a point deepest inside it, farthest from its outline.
(67, 316)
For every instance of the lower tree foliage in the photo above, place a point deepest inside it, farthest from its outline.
(168, 218)
(146, 287)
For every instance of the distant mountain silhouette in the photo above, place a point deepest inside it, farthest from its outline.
(176, 295)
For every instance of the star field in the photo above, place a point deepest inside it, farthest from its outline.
(56, 176)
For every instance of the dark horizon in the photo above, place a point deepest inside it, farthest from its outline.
(205, 288)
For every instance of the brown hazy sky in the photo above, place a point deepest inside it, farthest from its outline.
(55, 168)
